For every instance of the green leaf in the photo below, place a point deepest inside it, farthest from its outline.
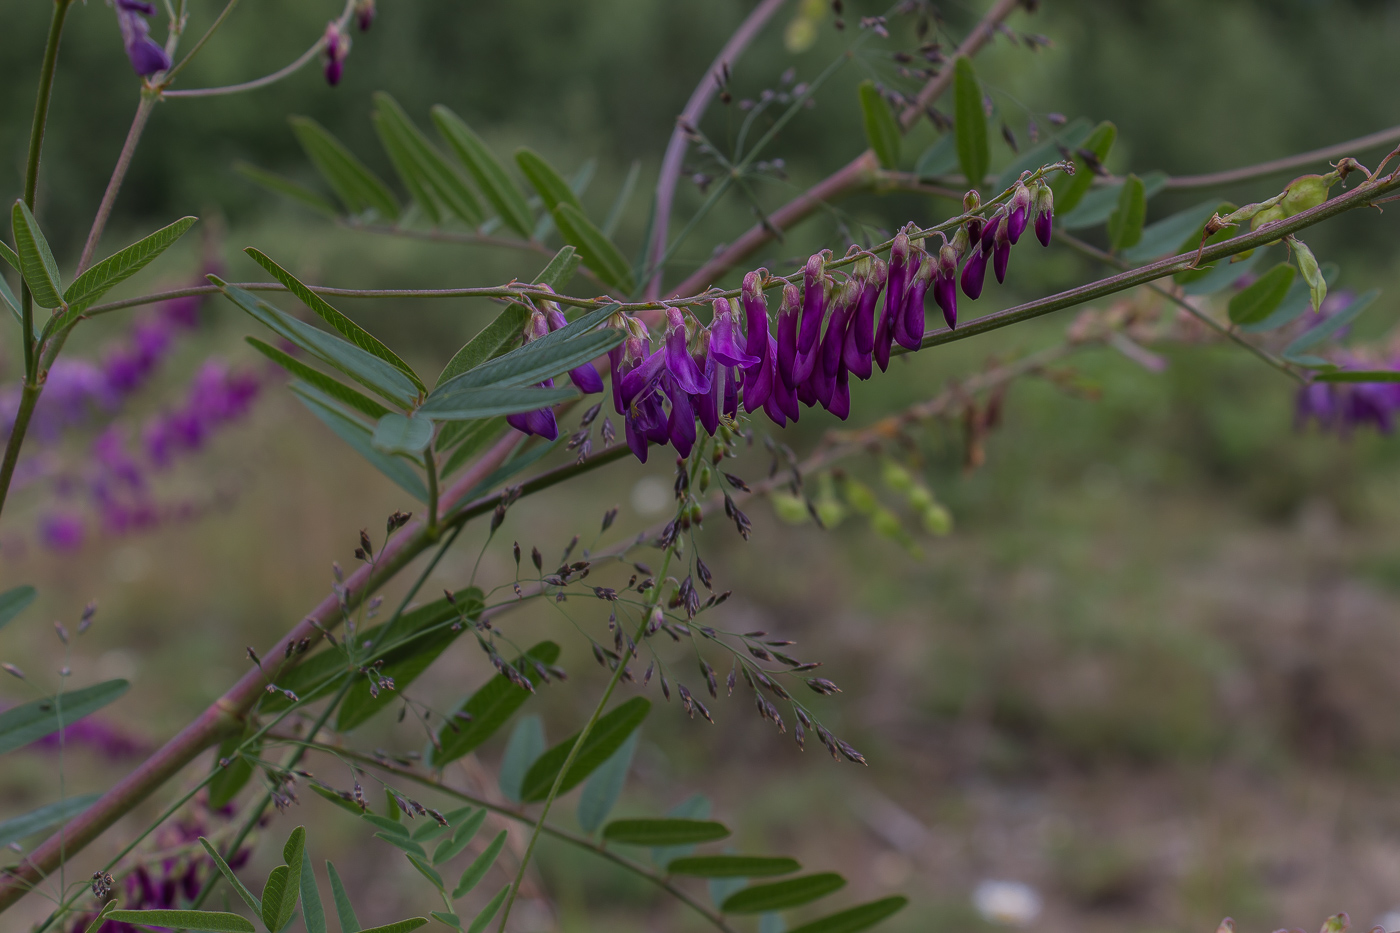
(461, 838)
(694, 807)
(1311, 271)
(781, 895)
(1218, 276)
(732, 866)
(274, 893)
(429, 831)
(400, 926)
(388, 824)
(598, 252)
(479, 866)
(404, 843)
(278, 184)
(491, 340)
(9, 255)
(432, 169)
(483, 919)
(21, 725)
(939, 158)
(36, 262)
(536, 361)
(357, 435)
(560, 269)
(348, 329)
(400, 434)
(664, 832)
(210, 920)
(1315, 335)
(344, 910)
(292, 857)
(970, 123)
(14, 601)
(8, 299)
(364, 367)
(1099, 205)
(349, 806)
(862, 917)
(1164, 237)
(478, 435)
(1071, 188)
(624, 194)
(401, 155)
(313, 912)
(228, 781)
(1125, 223)
(608, 733)
(427, 871)
(1360, 375)
(551, 186)
(101, 919)
(475, 404)
(604, 786)
(1295, 302)
(22, 827)
(524, 747)
(451, 920)
(881, 128)
(357, 187)
(490, 707)
(1263, 295)
(1070, 136)
(248, 897)
(485, 170)
(335, 389)
(122, 265)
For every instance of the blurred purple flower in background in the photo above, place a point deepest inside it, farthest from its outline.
(146, 54)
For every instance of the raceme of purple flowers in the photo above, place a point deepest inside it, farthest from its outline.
(1341, 407)
(146, 54)
(830, 329)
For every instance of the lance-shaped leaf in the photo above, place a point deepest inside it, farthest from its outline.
(856, 919)
(490, 707)
(536, 361)
(476, 437)
(32, 721)
(357, 187)
(38, 820)
(781, 895)
(283, 887)
(248, 897)
(313, 912)
(598, 252)
(344, 910)
(460, 839)
(212, 921)
(122, 265)
(349, 329)
(14, 601)
(474, 404)
(1343, 318)
(479, 866)
(490, 341)
(1263, 295)
(551, 186)
(1125, 223)
(483, 919)
(624, 194)
(1070, 189)
(881, 129)
(578, 184)
(427, 871)
(560, 269)
(400, 926)
(364, 367)
(970, 123)
(336, 390)
(732, 866)
(424, 161)
(400, 434)
(606, 737)
(8, 299)
(1164, 237)
(358, 436)
(523, 749)
(451, 920)
(488, 173)
(604, 786)
(1295, 303)
(1359, 375)
(287, 188)
(664, 832)
(36, 262)
(9, 255)
(406, 165)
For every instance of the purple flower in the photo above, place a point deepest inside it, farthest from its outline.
(990, 231)
(945, 285)
(758, 383)
(974, 273)
(814, 280)
(336, 45)
(788, 312)
(1044, 213)
(364, 14)
(147, 56)
(723, 346)
(755, 318)
(585, 378)
(679, 363)
(909, 326)
(62, 531)
(860, 333)
(1341, 407)
(894, 299)
(1018, 213)
(1001, 253)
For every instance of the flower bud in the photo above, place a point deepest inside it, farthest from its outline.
(1018, 213)
(364, 14)
(974, 273)
(336, 45)
(1044, 213)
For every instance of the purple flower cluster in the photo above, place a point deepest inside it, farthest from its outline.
(146, 54)
(585, 378)
(702, 372)
(1343, 406)
(336, 46)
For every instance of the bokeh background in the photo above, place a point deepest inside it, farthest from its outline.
(1151, 672)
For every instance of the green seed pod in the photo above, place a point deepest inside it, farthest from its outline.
(1302, 193)
(936, 519)
(790, 508)
(859, 495)
(704, 479)
(896, 477)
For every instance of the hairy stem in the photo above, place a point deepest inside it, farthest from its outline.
(109, 197)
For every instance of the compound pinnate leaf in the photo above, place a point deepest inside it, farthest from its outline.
(9, 255)
(14, 601)
(424, 162)
(229, 779)
(525, 745)
(479, 866)
(476, 404)
(781, 895)
(213, 921)
(31, 721)
(461, 838)
(357, 187)
(664, 832)
(36, 262)
(598, 252)
(490, 341)
(549, 184)
(560, 269)
(490, 707)
(488, 173)
(336, 390)
(733, 866)
(427, 871)
(970, 123)
(42, 818)
(606, 737)
(1262, 297)
(536, 361)
(122, 265)
(1069, 136)
(881, 128)
(861, 917)
(1315, 335)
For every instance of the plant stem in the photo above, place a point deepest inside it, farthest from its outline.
(109, 197)
(430, 462)
(208, 34)
(29, 395)
(256, 83)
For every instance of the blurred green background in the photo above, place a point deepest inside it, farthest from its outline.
(1151, 672)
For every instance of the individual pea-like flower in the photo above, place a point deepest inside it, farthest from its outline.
(897, 278)
(364, 14)
(1044, 213)
(974, 273)
(909, 324)
(1001, 250)
(62, 531)
(859, 343)
(336, 46)
(1018, 212)
(541, 421)
(814, 303)
(147, 56)
(945, 284)
(758, 376)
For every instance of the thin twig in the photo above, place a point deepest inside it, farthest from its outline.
(307, 56)
(114, 184)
